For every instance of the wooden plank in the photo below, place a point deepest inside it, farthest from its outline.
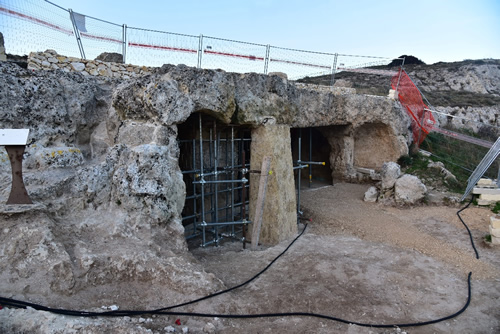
(259, 209)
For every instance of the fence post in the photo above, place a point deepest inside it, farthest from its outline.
(266, 61)
(200, 50)
(77, 34)
(334, 69)
(124, 42)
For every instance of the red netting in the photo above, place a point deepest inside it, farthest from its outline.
(422, 120)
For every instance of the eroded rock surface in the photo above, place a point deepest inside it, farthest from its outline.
(102, 167)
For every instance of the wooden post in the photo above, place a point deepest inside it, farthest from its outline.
(259, 209)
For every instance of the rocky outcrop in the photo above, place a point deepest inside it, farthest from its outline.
(479, 76)
(108, 201)
(102, 167)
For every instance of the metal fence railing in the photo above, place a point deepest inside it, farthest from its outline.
(37, 25)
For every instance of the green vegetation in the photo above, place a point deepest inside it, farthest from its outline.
(459, 157)
(487, 238)
(496, 208)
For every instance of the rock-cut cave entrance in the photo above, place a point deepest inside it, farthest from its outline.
(311, 156)
(214, 159)
(311, 148)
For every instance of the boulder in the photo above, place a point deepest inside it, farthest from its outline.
(390, 173)
(408, 189)
(110, 57)
(371, 194)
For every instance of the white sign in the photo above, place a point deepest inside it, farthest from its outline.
(14, 136)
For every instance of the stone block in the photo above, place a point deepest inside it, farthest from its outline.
(486, 182)
(495, 232)
(371, 195)
(486, 191)
(495, 241)
(495, 221)
(408, 189)
(483, 202)
(490, 197)
(78, 66)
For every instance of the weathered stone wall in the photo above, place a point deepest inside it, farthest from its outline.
(50, 60)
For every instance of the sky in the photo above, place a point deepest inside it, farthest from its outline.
(432, 30)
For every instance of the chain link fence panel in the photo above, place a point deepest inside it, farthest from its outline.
(37, 25)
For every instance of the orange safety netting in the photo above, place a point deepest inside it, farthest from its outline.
(422, 120)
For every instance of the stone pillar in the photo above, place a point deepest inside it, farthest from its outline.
(341, 143)
(3, 56)
(280, 217)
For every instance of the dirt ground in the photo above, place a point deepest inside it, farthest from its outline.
(362, 262)
(366, 263)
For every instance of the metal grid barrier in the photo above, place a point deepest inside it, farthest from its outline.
(101, 36)
(236, 56)
(37, 25)
(155, 48)
(215, 166)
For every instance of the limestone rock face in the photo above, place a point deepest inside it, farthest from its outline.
(477, 78)
(390, 173)
(408, 189)
(102, 164)
(108, 197)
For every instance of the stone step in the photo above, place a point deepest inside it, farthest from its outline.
(484, 183)
(486, 191)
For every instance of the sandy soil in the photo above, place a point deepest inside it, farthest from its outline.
(367, 263)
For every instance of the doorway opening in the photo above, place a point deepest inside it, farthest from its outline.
(214, 159)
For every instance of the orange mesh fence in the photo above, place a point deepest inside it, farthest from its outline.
(422, 121)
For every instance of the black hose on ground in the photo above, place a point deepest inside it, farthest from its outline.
(467, 227)
(21, 304)
(165, 311)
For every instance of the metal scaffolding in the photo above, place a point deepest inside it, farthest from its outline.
(215, 168)
(299, 164)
